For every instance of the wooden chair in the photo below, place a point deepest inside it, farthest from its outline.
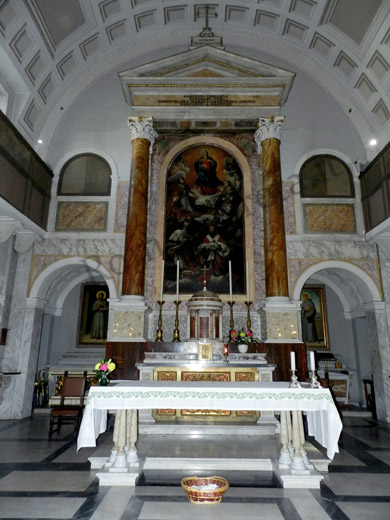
(73, 387)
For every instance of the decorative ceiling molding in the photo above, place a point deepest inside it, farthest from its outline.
(346, 41)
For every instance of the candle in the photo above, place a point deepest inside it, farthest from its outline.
(230, 281)
(177, 280)
(312, 361)
(247, 282)
(292, 356)
(226, 349)
(162, 282)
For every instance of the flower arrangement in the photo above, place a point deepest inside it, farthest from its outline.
(243, 336)
(103, 368)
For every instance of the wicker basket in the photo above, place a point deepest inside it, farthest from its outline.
(200, 496)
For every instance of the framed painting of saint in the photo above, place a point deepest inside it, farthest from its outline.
(204, 226)
(314, 318)
(93, 314)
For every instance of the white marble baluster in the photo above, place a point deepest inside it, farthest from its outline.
(289, 432)
(303, 441)
(114, 450)
(132, 437)
(285, 456)
(297, 461)
(120, 464)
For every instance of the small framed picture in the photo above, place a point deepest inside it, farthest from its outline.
(314, 318)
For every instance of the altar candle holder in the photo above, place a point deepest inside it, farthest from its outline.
(294, 383)
(226, 352)
(176, 332)
(314, 383)
(248, 319)
(159, 336)
(231, 303)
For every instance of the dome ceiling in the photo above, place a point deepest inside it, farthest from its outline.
(51, 51)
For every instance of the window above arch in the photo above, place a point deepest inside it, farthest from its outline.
(325, 176)
(84, 175)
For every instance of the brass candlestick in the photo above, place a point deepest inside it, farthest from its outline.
(248, 320)
(176, 332)
(159, 336)
(231, 303)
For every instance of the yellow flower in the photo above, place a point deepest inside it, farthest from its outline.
(111, 366)
(242, 334)
(97, 366)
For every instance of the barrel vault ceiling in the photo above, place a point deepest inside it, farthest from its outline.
(50, 51)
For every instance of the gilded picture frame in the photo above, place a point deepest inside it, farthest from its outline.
(314, 317)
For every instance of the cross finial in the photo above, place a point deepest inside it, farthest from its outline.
(206, 30)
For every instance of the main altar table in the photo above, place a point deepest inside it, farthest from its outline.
(323, 420)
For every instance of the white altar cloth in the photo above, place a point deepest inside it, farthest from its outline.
(323, 420)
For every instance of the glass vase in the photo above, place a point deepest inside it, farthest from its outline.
(104, 380)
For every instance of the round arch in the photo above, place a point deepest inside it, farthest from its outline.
(360, 279)
(327, 151)
(72, 267)
(86, 150)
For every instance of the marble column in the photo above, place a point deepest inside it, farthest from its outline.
(127, 316)
(25, 323)
(281, 313)
(142, 136)
(378, 337)
(268, 136)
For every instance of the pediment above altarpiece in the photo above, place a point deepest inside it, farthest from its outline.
(206, 83)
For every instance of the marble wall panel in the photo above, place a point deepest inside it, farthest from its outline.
(81, 216)
(289, 208)
(77, 246)
(325, 248)
(282, 325)
(329, 218)
(128, 324)
(122, 198)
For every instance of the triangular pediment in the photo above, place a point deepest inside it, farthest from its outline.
(206, 77)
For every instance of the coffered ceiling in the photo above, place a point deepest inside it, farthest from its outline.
(50, 51)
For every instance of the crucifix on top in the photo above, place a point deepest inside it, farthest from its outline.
(206, 36)
(206, 11)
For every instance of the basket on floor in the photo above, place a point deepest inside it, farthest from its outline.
(193, 487)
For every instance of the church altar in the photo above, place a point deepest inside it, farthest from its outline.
(126, 397)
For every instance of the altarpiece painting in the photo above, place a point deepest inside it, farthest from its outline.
(204, 227)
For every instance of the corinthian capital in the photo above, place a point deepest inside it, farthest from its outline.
(269, 128)
(142, 128)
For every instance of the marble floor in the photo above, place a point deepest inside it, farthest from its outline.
(50, 480)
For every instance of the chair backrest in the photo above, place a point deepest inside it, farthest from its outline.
(73, 387)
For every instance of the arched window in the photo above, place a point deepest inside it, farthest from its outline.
(326, 176)
(85, 174)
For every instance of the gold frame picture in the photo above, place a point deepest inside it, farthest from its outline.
(317, 323)
(90, 294)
